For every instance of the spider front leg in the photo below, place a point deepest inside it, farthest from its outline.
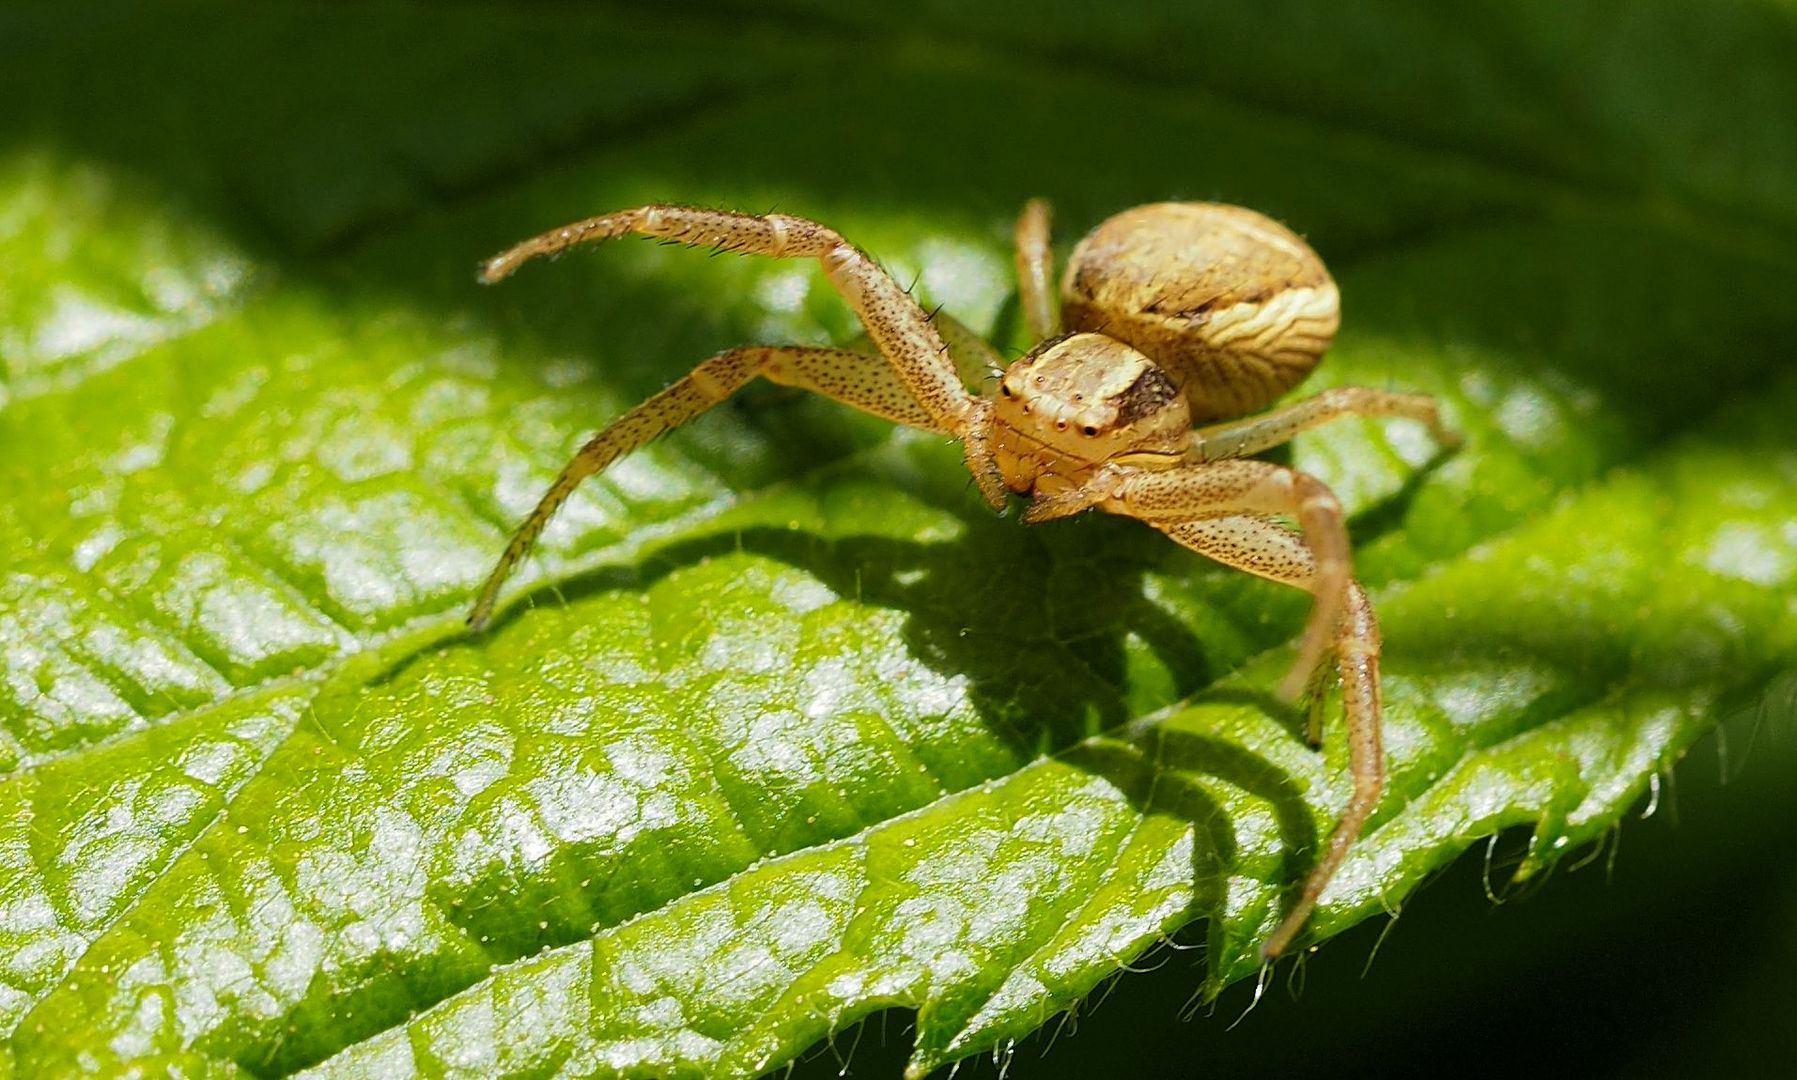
(899, 328)
(1035, 272)
(865, 382)
(1214, 489)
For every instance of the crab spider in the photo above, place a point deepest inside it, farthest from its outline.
(1176, 315)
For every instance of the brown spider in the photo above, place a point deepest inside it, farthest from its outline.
(1176, 313)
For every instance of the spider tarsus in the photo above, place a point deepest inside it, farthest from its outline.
(1285, 935)
(492, 271)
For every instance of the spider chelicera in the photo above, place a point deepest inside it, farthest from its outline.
(1175, 314)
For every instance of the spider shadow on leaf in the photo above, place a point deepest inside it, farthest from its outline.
(1168, 771)
(1039, 679)
(1047, 627)
(1060, 641)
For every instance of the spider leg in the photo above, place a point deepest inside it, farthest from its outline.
(1186, 492)
(978, 363)
(900, 329)
(974, 359)
(864, 382)
(1264, 547)
(1238, 438)
(1035, 272)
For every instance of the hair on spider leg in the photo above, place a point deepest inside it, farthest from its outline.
(973, 485)
(911, 289)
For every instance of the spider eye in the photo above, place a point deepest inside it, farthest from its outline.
(1090, 430)
(1005, 389)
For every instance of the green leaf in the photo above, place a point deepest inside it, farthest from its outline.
(784, 728)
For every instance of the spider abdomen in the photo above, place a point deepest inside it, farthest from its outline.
(1236, 307)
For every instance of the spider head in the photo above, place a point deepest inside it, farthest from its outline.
(1080, 401)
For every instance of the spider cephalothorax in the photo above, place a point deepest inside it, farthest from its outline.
(1080, 401)
(1180, 312)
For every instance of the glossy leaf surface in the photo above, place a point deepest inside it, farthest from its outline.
(783, 727)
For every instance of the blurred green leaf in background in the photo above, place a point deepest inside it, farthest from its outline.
(783, 730)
